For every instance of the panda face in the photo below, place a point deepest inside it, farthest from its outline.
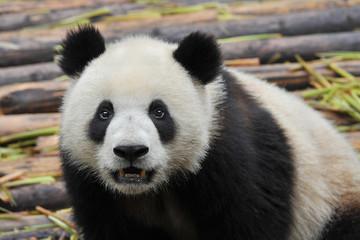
(135, 116)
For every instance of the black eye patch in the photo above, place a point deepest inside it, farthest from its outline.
(165, 125)
(100, 121)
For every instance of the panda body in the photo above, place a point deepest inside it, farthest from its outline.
(159, 140)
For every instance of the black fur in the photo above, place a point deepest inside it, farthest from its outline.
(79, 48)
(98, 126)
(166, 126)
(200, 55)
(345, 226)
(243, 189)
(241, 192)
(97, 210)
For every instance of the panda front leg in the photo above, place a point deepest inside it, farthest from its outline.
(119, 228)
(98, 212)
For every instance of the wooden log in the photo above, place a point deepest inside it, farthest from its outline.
(23, 19)
(29, 73)
(34, 234)
(27, 19)
(40, 49)
(35, 166)
(287, 47)
(50, 196)
(20, 20)
(285, 6)
(47, 141)
(354, 139)
(34, 6)
(26, 122)
(317, 21)
(35, 97)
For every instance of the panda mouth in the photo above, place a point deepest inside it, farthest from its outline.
(132, 175)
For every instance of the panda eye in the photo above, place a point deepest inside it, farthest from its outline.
(159, 113)
(105, 114)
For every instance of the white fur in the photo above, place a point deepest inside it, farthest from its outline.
(131, 74)
(326, 168)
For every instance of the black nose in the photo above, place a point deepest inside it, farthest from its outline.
(131, 153)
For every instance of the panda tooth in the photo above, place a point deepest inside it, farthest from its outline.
(122, 173)
(132, 175)
(142, 174)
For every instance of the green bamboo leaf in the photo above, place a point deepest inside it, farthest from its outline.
(315, 92)
(342, 72)
(332, 92)
(181, 9)
(5, 210)
(9, 217)
(132, 16)
(21, 144)
(345, 55)
(318, 76)
(350, 128)
(350, 100)
(7, 193)
(62, 225)
(30, 181)
(249, 38)
(41, 226)
(74, 236)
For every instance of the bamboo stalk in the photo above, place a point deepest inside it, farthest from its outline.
(41, 226)
(49, 213)
(339, 70)
(350, 100)
(345, 55)
(351, 128)
(11, 176)
(332, 92)
(30, 181)
(62, 225)
(131, 16)
(318, 76)
(22, 144)
(75, 20)
(315, 92)
(242, 62)
(8, 195)
(5, 210)
(29, 134)
(249, 38)
(9, 216)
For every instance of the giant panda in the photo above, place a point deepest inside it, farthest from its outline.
(160, 141)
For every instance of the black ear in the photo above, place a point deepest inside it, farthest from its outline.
(200, 55)
(80, 47)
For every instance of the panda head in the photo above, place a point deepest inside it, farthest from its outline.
(141, 109)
